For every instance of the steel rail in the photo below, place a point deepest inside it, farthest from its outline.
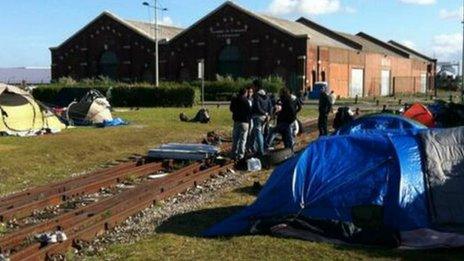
(158, 191)
(56, 199)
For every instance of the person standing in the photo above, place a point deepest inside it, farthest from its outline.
(261, 111)
(332, 100)
(286, 115)
(241, 114)
(325, 106)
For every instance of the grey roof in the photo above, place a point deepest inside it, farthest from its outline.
(369, 46)
(301, 29)
(292, 28)
(30, 75)
(413, 53)
(165, 32)
(142, 28)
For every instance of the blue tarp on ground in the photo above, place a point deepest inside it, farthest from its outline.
(387, 123)
(334, 174)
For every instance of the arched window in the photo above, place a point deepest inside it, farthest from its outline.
(230, 62)
(323, 76)
(109, 65)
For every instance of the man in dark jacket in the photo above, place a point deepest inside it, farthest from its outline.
(241, 114)
(261, 111)
(286, 116)
(324, 108)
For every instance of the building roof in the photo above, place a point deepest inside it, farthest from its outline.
(383, 44)
(27, 74)
(143, 28)
(292, 28)
(413, 53)
(301, 29)
(165, 32)
(328, 32)
(372, 46)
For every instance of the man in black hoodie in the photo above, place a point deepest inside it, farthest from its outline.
(241, 114)
(286, 116)
(261, 110)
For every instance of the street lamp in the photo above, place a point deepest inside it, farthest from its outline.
(462, 61)
(156, 8)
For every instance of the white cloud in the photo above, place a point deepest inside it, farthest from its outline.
(409, 43)
(306, 7)
(451, 14)
(166, 20)
(419, 2)
(447, 47)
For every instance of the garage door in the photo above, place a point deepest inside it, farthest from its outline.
(423, 83)
(385, 83)
(357, 82)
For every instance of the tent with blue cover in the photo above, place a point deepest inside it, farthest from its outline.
(396, 190)
(387, 123)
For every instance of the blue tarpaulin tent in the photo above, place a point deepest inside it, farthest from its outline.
(387, 123)
(370, 169)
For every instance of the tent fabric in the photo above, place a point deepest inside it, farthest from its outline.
(21, 115)
(420, 113)
(386, 123)
(93, 108)
(444, 165)
(371, 169)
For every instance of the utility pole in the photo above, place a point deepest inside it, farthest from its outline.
(156, 45)
(155, 7)
(462, 61)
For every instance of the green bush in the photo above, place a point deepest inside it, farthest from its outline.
(123, 95)
(225, 87)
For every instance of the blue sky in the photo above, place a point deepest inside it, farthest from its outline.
(29, 27)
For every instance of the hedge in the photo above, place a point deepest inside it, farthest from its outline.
(122, 95)
(224, 88)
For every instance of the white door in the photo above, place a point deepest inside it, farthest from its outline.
(423, 83)
(385, 83)
(357, 82)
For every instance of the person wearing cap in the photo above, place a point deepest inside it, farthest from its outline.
(325, 107)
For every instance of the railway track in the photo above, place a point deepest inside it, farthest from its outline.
(84, 222)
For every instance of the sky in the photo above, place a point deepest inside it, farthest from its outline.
(29, 27)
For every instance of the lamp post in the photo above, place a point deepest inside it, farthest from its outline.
(156, 8)
(462, 61)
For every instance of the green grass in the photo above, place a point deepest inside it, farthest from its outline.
(26, 162)
(179, 239)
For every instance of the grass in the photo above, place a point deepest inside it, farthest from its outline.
(179, 239)
(26, 162)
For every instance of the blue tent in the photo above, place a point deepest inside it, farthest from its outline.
(370, 169)
(387, 123)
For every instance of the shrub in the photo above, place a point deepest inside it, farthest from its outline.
(122, 95)
(224, 87)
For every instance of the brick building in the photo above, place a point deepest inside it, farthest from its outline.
(240, 43)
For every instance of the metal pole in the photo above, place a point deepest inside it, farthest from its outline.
(156, 46)
(203, 91)
(462, 61)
